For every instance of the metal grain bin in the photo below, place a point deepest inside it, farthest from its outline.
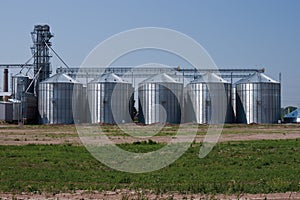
(160, 98)
(110, 100)
(17, 109)
(6, 111)
(20, 82)
(55, 99)
(208, 100)
(258, 100)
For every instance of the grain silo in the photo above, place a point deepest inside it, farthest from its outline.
(110, 100)
(22, 91)
(20, 83)
(208, 100)
(258, 100)
(55, 99)
(160, 99)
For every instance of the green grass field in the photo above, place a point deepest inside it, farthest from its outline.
(231, 168)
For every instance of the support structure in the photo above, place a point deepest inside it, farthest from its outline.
(129, 72)
(41, 36)
(5, 80)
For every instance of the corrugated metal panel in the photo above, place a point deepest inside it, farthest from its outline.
(20, 83)
(55, 99)
(206, 102)
(160, 98)
(107, 94)
(258, 102)
(17, 111)
(30, 107)
(6, 111)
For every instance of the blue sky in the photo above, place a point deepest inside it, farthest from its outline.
(236, 33)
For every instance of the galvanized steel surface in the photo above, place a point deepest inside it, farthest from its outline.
(160, 99)
(17, 109)
(55, 99)
(10, 111)
(206, 102)
(6, 111)
(258, 100)
(30, 107)
(20, 83)
(109, 100)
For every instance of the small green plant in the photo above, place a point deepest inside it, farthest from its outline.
(230, 168)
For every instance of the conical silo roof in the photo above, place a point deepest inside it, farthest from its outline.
(160, 78)
(256, 78)
(20, 74)
(60, 78)
(209, 78)
(109, 78)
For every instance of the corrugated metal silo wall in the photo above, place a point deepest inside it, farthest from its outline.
(102, 101)
(30, 107)
(17, 111)
(19, 86)
(6, 111)
(55, 102)
(168, 95)
(199, 105)
(258, 103)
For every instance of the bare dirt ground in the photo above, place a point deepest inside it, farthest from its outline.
(126, 194)
(67, 134)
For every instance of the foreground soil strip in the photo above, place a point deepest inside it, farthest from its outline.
(126, 194)
(15, 135)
